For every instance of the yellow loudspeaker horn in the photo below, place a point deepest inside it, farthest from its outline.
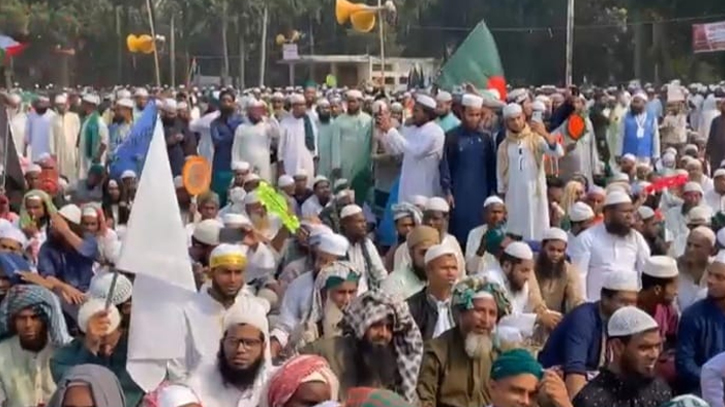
(131, 41)
(363, 21)
(145, 44)
(280, 39)
(361, 16)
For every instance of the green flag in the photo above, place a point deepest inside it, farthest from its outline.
(476, 61)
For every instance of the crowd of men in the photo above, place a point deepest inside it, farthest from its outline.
(551, 247)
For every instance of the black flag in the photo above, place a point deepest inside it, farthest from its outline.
(14, 180)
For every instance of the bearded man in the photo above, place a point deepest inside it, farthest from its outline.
(457, 364)
(253, 140)
(32, 324)
(639, 132)
(410, 278)
(351, 145)
(321, 197)
(558, 280)
(376, 327)
(66, 127)
(243, 363)
(609, 246)
(362, 252)
(324, 137)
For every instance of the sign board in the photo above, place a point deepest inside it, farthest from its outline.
(708, 37)
(289, 52)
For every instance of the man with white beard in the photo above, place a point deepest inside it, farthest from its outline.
(464, 354)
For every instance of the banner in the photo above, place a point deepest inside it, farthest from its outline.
(131, 153)
(708, 37)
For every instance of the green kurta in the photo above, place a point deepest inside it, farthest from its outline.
(351, 151)
(324, 148)
(449, 378)
(75, 353)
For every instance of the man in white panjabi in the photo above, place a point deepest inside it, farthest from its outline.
(362, 252)
(421, 146)
(715, 197)
(238, 375)
(66, 128)
(206, 313)
(610, 246)
(202, 126)
(297, 147)
(520, 174)
(18, 120)
(39, 130)
(253, 140)
(94, 138)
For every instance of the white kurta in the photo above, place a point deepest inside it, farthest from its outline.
(18, 123)
(39, 133)
(522, 317)
(292, 150)
(252, 143)
(714, 200)
(474, 263)
(296, 303)
(526, 200)
(25, 378)
(377, 268)
(596, 253)
(66, 128)
(311, 207)
(85, 163)
(712, 381)
(208, 384)
(422, 150)
(202, 126)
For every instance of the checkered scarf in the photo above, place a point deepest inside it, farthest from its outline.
(374, 306)
(301, 369)
(42, 301)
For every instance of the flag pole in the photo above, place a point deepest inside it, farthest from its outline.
(5, 148)
(153, 35)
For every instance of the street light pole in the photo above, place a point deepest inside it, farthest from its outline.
(569, 42)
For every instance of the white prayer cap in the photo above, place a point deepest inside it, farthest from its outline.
(706, 232)
(10, 232)
(511, 110)
(240, 166)
(123, 94)
(207, 232)
(141, 92)
(277, 96)
(319, 178)
(253, 313)
(318, 230)
(437, 204)
(350, 210)
(285, 181)
(322, 102)
(354, 94)
(629, 157)
(15, 98)
(720, 257)
(645, 212)
(71, 213)
(470, 100)
(692, 187)
(628, 321)
(169, 105)
(101, 285)
(301, 173)
(668, 158)
(700, 214)
(176, 395)
(616, 198)
(125, 102)
(437, 251)
(419, 200)
(131, 174)
(718, 172)
(426, 101)
(334, 244)
(491, 200)
(518, 95)
(251, 198)
(33, 168)
(520, 250)
(89, 211)
(555, 234)
(61, 99)
(640, 95)
(92, 99)
(621, 280)
(251, 177)
(178, 182)
(235, 219)
(396, 107)
(580, 212)
(92, 307)
(297, 99)
(660, 267)
(443, 97)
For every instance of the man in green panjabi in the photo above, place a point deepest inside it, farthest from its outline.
(351, 146)
(324, 138)
(446, 119)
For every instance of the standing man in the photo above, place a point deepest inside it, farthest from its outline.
(120, 128)
(66, 128)
(422, 148)
(18, 121)
(468, 168)
(39, 130)
(93, 140)
(180, 143)
(253, 141)
(715, 147)
(297, 149)
(324, 137)
(639, 132)
(446, 119)
(351, 146)
(222, 137)
(521, 176)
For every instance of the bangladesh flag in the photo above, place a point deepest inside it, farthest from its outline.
(10, 48)
(476, 61)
